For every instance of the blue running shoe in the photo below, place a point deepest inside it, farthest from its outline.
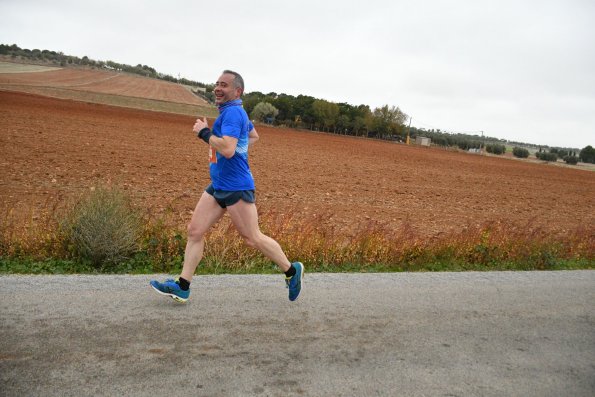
(294, 283)
(172, 289)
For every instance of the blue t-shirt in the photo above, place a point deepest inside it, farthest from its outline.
(232, 174)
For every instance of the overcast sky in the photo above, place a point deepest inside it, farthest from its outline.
(522, 70)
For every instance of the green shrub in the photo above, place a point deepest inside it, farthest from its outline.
(571, 160)
(520, 152)
(464, 144)
(587, 154)
(561, 153)
(546, 156)
(102, 228)
(496, 149)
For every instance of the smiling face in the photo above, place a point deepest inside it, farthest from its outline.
(225, 90)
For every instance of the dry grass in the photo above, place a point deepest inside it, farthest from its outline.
(35, 233)
(370, 247)
(375, 247)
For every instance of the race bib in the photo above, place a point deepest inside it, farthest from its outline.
(212, 155)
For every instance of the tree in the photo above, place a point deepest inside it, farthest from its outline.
(264, 111)
(546, 156)
(495, 148)
(302, 107)
(388, 120)
(325, 113)
(520, 152)
(359, 124)
(573, 160)
(587, 155)
(250, 100)
(343, 124)
(562, 153)
(284, 103)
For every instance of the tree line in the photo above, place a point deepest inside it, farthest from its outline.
(586, 155)
(303, 111)
(386, 122)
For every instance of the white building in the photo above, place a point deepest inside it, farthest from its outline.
(423, 141)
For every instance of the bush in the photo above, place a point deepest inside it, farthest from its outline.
(562, 153)
(102, 228)
(496, 149)
(520, 152)
(464, 144)
(571, 160)
(546, 156)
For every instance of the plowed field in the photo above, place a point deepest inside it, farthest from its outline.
(101, 81)
(52, 149)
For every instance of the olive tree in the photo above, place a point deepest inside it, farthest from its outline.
(264, 111)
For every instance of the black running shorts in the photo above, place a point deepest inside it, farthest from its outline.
(226, 198)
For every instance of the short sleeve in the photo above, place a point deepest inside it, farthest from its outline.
(232, 125)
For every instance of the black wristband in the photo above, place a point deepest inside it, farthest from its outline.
(205, 134)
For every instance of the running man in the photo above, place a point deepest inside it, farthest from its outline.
(231, 190)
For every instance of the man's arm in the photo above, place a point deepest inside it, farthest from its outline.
(253, 136)
(226, 145)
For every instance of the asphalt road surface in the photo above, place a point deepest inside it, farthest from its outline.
(410, 334)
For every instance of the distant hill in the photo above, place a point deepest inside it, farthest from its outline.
(92, 84)
(102, 81)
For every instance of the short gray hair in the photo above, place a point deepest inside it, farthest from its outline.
(238, 81)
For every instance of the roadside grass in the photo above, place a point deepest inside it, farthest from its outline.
(37, 243)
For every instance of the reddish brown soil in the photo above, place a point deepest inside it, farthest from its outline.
(102, 81)
(52, 149)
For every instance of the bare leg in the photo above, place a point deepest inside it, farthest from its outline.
(206, 214)
(245, 218)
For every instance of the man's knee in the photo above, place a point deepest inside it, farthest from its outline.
(194, 233)
(253, 241)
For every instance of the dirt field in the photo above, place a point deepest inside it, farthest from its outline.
(11, 67)
(96, 81)
(52, 149)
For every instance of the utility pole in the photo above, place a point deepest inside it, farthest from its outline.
(409, 129)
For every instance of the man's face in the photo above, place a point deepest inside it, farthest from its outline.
(224, 89)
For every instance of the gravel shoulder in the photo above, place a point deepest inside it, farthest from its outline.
(409, 334)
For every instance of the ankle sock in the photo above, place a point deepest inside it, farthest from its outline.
(184, 284)
(291, 272)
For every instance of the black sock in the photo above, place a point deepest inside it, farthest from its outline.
(184, 284)
(290, 272)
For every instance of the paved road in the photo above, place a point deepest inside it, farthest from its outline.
(420, 334)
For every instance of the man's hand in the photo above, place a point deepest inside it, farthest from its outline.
(201, 128)
(225, 145)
